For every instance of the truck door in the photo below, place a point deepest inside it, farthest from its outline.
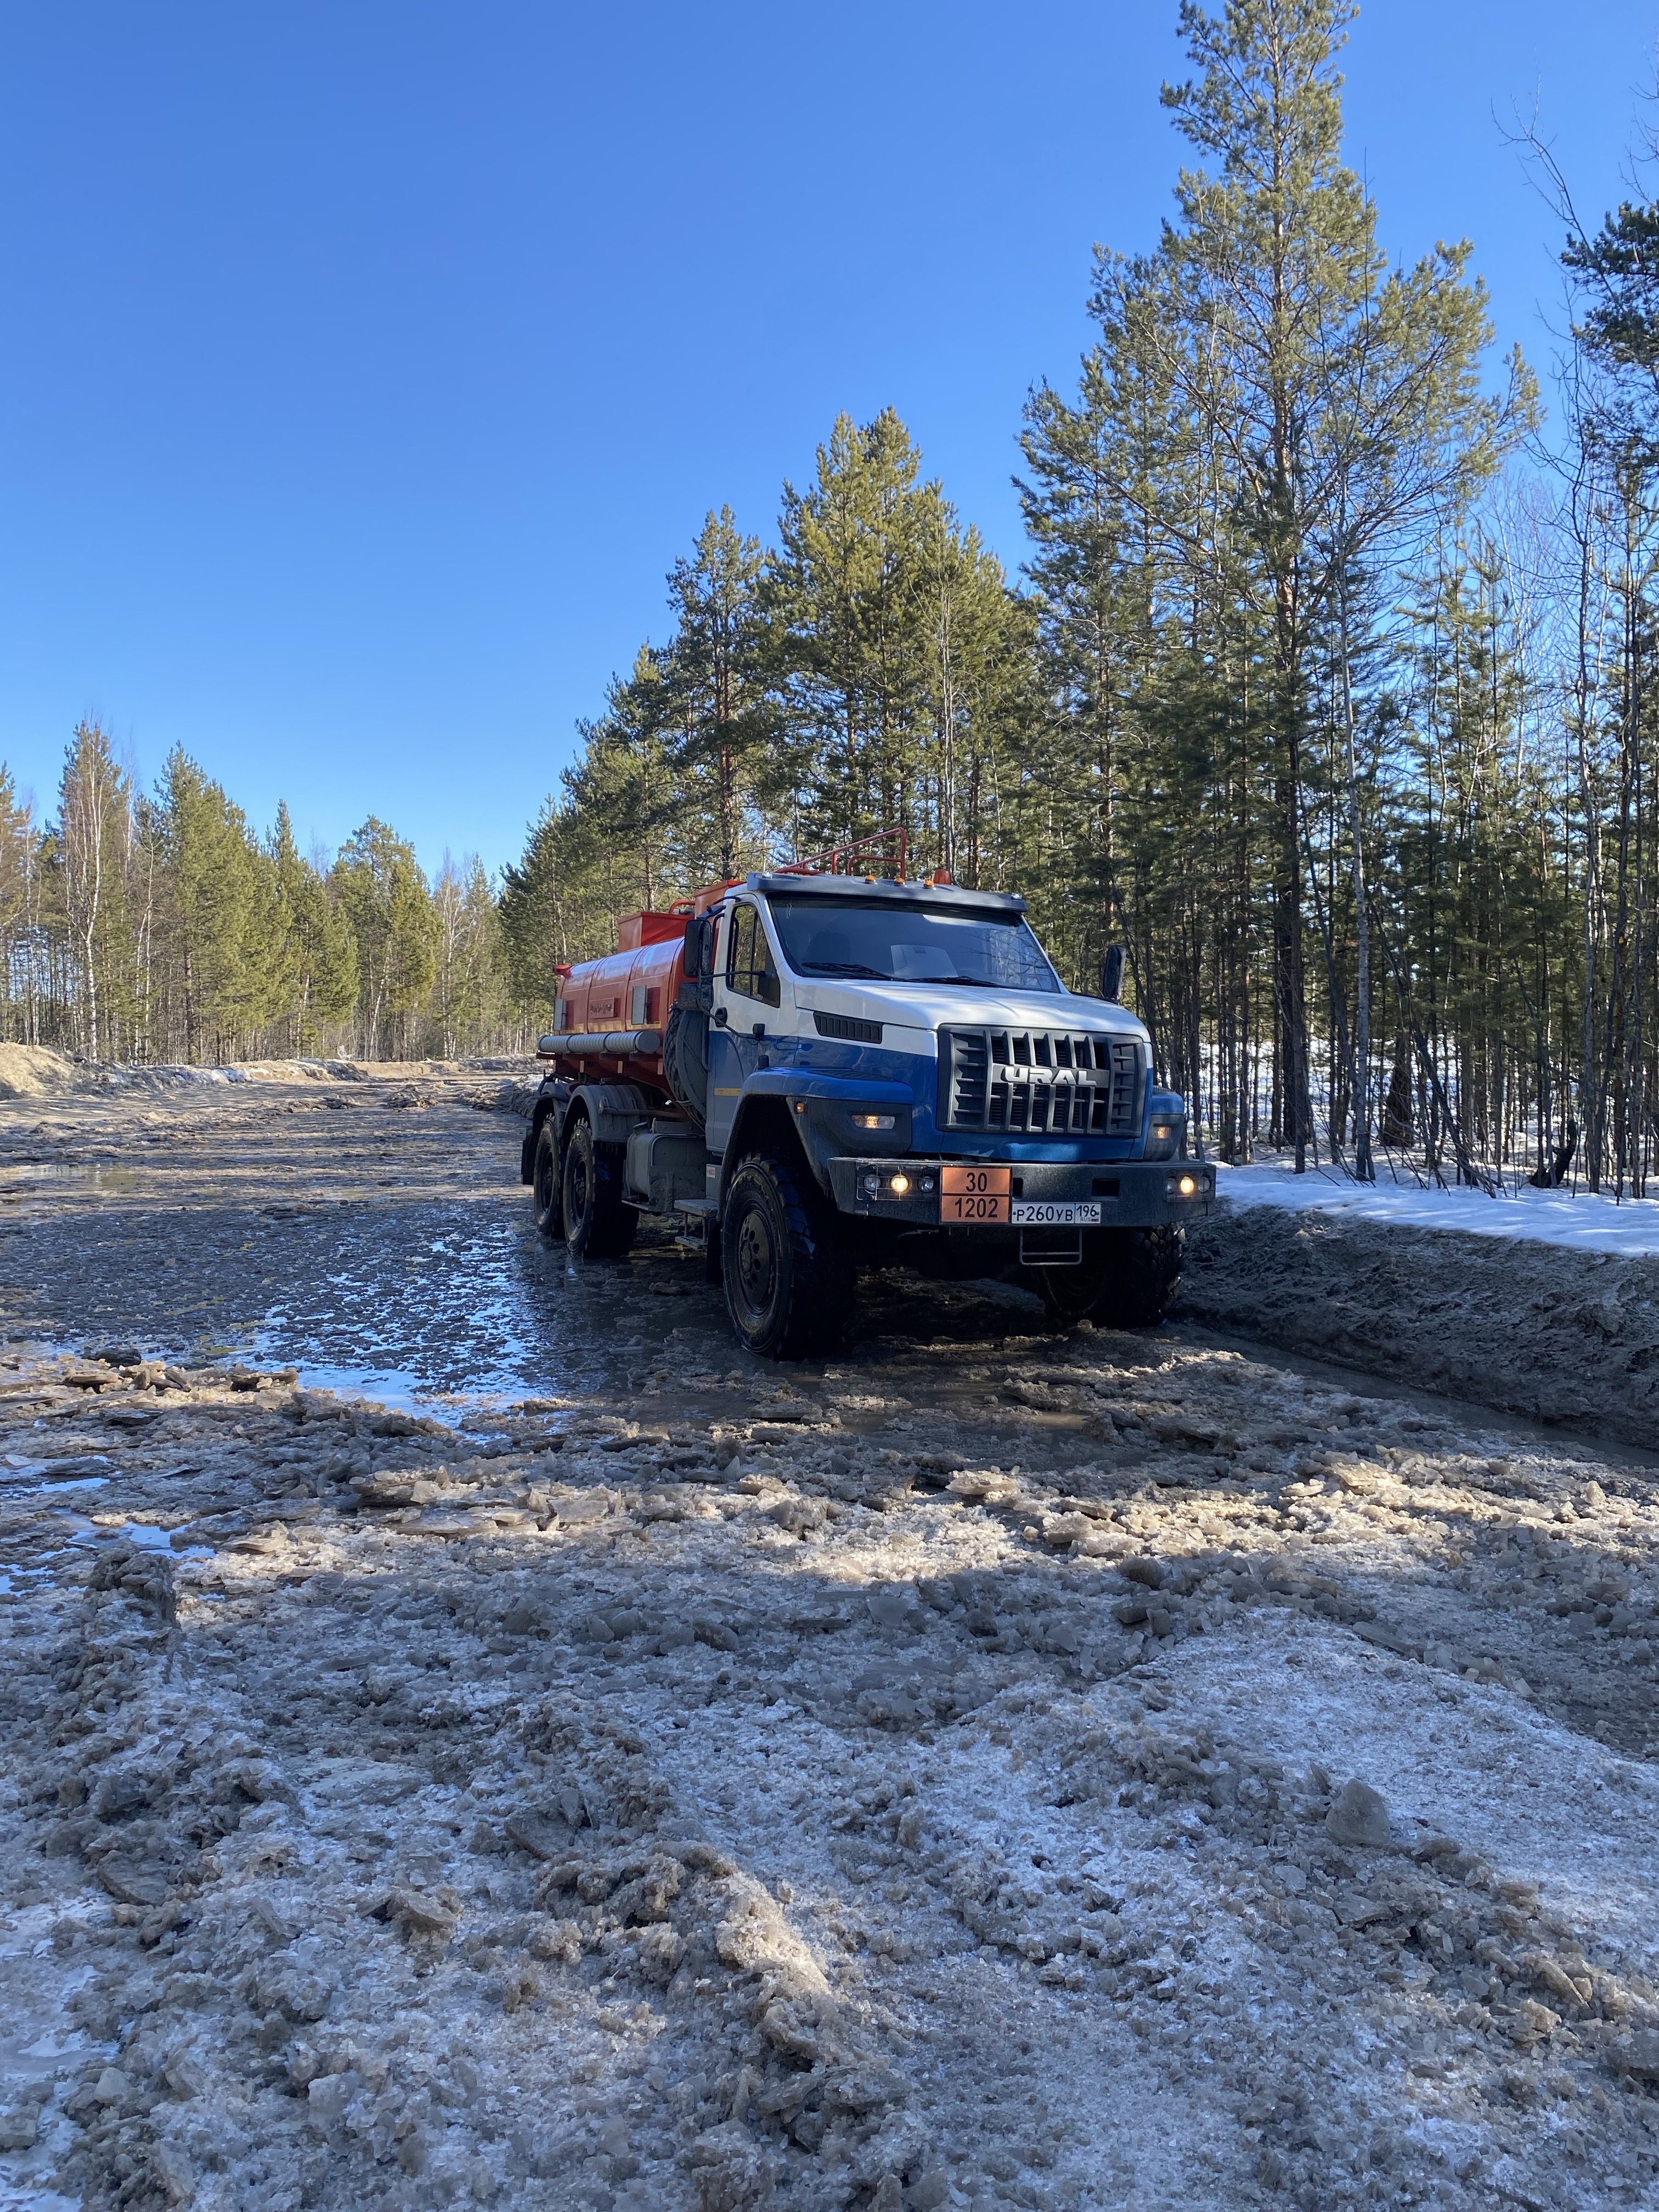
(748, 991)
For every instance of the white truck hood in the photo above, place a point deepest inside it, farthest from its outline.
(927, 1008)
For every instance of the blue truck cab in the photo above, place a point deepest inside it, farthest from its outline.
(865, 1071)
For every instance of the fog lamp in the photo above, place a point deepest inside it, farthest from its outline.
(874, 1121)
(898, 1185)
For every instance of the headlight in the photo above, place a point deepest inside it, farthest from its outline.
(898, 1184)
(875, 1122)
(1164, 1131)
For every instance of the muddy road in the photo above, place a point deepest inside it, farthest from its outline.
(468, 1736)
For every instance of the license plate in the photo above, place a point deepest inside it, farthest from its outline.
(974, 1193)
(1041, 1213)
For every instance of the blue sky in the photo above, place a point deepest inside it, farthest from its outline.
(368, 364)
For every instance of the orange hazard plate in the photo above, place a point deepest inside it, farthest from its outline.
(974, 1193)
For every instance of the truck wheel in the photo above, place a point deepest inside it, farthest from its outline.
(597, 1225)
(546, 1198)
(1071, 1293)
(1128, 1281)
(789, 1274)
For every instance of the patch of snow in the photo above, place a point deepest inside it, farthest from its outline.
(1580, 1220)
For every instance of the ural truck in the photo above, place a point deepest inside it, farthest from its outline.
(824, 1071)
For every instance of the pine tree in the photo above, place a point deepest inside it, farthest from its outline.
(18, 868)
(847, 636)
(218, 949)
(378, 886)
(717, 694)
(467, 997)
(1269, 414)
(317, 960)
(92, 849)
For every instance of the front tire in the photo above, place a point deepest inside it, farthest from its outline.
(546, 1196)
(789, 1274)
(597, 1225)
(1129, 1279)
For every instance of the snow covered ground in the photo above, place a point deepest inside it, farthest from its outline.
(1580, 1220)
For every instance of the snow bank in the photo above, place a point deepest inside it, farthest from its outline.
(1581, 1221)
(1545, 1305)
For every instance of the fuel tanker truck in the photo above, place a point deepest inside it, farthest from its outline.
(822, 1070)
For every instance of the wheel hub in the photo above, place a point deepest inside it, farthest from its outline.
(756, 1264)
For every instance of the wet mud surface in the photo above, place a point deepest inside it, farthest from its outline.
(467, 1736)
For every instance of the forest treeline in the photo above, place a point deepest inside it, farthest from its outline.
(158, 927)
(1327, 689)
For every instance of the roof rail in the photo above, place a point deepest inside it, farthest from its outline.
(837, 860)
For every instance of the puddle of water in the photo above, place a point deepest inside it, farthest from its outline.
(46, 1489)
(399, 1390)
(57, 1174)
(405, 1304)
(141, 1535)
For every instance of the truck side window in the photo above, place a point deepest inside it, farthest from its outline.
(749, 969)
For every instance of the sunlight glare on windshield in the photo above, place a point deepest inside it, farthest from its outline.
(911, 944)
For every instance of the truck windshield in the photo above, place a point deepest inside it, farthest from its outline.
(910, 943)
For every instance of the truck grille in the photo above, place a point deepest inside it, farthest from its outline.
(1072, 1083)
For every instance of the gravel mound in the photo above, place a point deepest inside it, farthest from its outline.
(29, 1071)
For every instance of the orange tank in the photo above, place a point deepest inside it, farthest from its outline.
(610, 1013)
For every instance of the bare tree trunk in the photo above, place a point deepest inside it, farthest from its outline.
(1361, 1080)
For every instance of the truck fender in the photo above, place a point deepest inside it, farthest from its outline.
(613, 1110)
(814, 1108)
(764, 1121)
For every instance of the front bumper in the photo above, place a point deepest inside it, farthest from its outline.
(1130, 1194)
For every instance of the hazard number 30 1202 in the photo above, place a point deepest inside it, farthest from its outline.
(972, 1194)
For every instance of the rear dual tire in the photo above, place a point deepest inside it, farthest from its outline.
(546, 1198)
(788, 1275)
(596, 1224)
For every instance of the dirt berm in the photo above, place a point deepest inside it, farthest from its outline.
(1537, 1329)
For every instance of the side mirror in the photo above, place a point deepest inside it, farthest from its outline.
(1111, 972)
